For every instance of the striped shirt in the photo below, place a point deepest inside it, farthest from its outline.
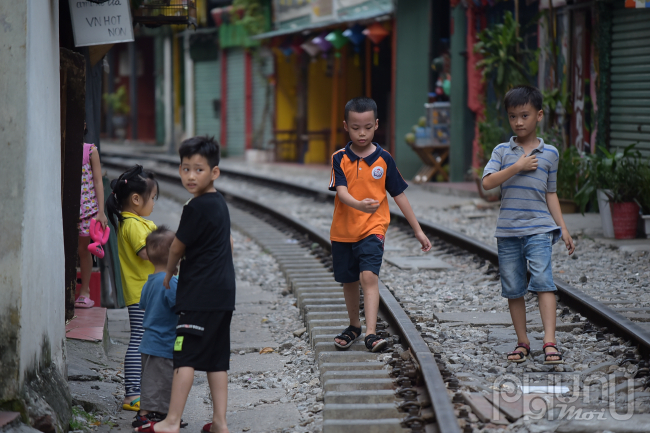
(524, 210)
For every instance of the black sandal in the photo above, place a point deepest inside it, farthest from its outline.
(371, 339)
(350, 335)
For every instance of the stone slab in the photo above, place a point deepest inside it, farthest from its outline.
(420, 262)
(325, 346)
(388, 425)
(256, 363)
(361, 411)
(79, 372)
(338, 356)
(484, 410)
(351, 366)
(96, 396)
(352, 397)
(358, 384)
(355, 374)
(7, 417)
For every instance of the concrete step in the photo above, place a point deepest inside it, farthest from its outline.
(390, 425)
(370, 411)
(329, 338)
(351, 366)
(339, 324)
(354, 397)
(327, 315)
(325, 346)
(358, 384)
(321, 301)
(347, 356)
(355, 374)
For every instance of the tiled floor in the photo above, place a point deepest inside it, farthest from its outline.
(88, 325)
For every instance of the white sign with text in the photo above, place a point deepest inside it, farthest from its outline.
(103, 23)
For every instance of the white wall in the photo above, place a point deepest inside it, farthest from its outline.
(31, 234)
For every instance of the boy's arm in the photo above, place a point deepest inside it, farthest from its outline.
(367, 205)
(176, 251)
(525, 163)
(407, 210)
(553, 204)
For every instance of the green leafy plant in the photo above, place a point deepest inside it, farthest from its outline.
(491, 134)
(254, 17)
(643, 199)
(616, 172)
(569, 179)
(81, 420)
(118, 101)
(552, 99)
(503, 62)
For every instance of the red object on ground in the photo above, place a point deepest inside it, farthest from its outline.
(95, 287)
(88, 324)
(624, 217)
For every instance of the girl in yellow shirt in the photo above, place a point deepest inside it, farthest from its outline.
(132, 199)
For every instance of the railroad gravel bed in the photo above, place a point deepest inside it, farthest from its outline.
(300, 376)
(595, 268)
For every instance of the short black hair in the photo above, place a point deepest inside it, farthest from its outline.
(201, 145)
(522, 95)
(360, 104)
(158, 243)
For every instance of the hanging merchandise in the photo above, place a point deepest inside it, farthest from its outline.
(337, 39)
(356, 36)
(376, 33)
(310, 48)
(296, 45)
(323, 44)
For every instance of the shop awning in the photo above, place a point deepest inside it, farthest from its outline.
(347, 18)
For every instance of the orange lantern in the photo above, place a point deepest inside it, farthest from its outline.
(376, 33)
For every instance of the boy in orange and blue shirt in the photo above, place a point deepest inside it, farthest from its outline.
(362, 173)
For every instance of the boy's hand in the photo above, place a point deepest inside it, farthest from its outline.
(368, 205)
(568, 241)
(527, 163)
(424, 241)
(168, 277)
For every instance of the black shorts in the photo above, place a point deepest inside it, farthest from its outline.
(203, 340)
(349, 259)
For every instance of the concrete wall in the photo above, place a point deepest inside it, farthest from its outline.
(413, 36)
(31, 240)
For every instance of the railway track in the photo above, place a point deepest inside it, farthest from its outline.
(303, 251)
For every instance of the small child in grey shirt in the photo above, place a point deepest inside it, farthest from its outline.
(530, 220)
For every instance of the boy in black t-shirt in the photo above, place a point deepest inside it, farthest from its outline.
(205, 297)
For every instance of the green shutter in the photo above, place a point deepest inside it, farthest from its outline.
(236, 133)
(207, 90)
(263, 102)
(630, 72)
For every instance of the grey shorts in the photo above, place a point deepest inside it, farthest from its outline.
(156, 383)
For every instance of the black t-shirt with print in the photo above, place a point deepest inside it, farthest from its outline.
(206, 280)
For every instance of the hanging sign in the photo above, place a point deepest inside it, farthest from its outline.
(103, 23)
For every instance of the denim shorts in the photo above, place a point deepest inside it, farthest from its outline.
(515, 253)
(349, 259)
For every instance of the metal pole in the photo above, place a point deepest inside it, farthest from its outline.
(111, 88)
(133, 92)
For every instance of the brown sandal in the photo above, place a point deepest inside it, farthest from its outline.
(522, 356)
(556, 353)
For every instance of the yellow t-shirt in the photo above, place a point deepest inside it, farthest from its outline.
(131, 239)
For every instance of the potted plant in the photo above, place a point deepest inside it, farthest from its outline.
(613, 178)
(118, 103)
(569, 179)
(643, 199)
(491, 134)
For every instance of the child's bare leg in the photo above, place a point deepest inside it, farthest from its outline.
(547, 306)
(181, 386)
(351, 295)
(370, 286)
(85, 265)
(518, 314)
(218, 381)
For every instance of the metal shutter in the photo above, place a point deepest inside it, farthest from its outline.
(236, 134)
(207, 90)
(262, 66)
(630, 97)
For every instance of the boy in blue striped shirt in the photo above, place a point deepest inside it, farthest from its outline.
(530, 220)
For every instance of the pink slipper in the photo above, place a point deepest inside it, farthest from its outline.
(83, 302)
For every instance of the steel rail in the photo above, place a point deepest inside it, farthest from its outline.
(442, 407)
(595, 311)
